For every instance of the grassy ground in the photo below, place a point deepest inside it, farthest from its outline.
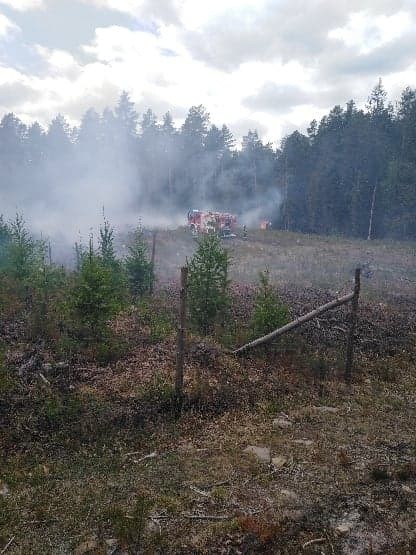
(185, 485)
(95, 460)
(305, 260)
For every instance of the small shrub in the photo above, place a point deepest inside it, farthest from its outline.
(407, 472)
(159, 322)
(220, 494)
(272, 407)
(56, 411)
(269, 312)
(49, 291)
(23, 252)
(380, 474)
(109, 349)
(109, 260)
(158, 392)
(386, 371)
(96, 297)
(139, 269)
(5, 239)
(7, 382)
(107, 244)
(21, 258)
(208, 284)
(129, 529)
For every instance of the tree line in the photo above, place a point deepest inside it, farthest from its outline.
(353, 173)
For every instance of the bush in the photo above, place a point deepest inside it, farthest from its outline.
(109, 260)
(5, 238)
(130, 528)
(24, 254)
(49, 288)
(56, 411)
(156, 318)
(208, 284)
(139, 269)
(26, 284)
(96, 296)
(269, 312)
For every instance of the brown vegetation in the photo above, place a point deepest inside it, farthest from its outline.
(96, 460)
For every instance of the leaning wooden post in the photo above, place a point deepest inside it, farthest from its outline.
(353, 324)
(181, 337)
(152, 262)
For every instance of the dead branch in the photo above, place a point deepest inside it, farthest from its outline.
(8, 544)
(45, 380)
(217, 484)
(296, 323)
(209, 517)
(150, 456)
(131, 454)
(313, 542)
(200, 491)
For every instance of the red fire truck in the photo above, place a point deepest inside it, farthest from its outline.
(206, 221)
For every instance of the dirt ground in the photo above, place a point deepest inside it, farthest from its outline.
(95, 460)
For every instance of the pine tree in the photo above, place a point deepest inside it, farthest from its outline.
(208, 284)
(140, 272)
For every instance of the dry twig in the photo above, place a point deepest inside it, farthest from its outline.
(45, 380)
(313, 542)
(217, 484)
(200, 491)
(209, 517)
(8, 544)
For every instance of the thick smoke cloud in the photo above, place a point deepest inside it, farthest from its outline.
(137, 170)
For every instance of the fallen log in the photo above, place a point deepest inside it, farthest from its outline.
(296, 323)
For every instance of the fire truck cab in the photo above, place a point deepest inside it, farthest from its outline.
(206, 221)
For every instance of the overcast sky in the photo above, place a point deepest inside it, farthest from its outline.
(268, 64)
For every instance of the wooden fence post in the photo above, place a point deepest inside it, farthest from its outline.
(353, 324)
(152, 262)
(181, 337)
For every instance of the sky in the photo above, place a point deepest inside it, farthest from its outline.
(270, 65)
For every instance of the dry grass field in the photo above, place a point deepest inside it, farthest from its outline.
(389, 268)
(94, 460)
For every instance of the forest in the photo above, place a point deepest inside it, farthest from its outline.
(352, 174)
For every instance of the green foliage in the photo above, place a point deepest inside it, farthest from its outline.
(49, 288)
(323, 181)
(159, 322)
(130, 528)
(5, 238)
(56, 411)
(23, 254)
(96, 296)
(208, 284)
(109, 349)
(7, 378)
(379, 474)
(159, 391)
(21, 263)
(269, 312)
(107, 244)
(109, 260)
(139, 269)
